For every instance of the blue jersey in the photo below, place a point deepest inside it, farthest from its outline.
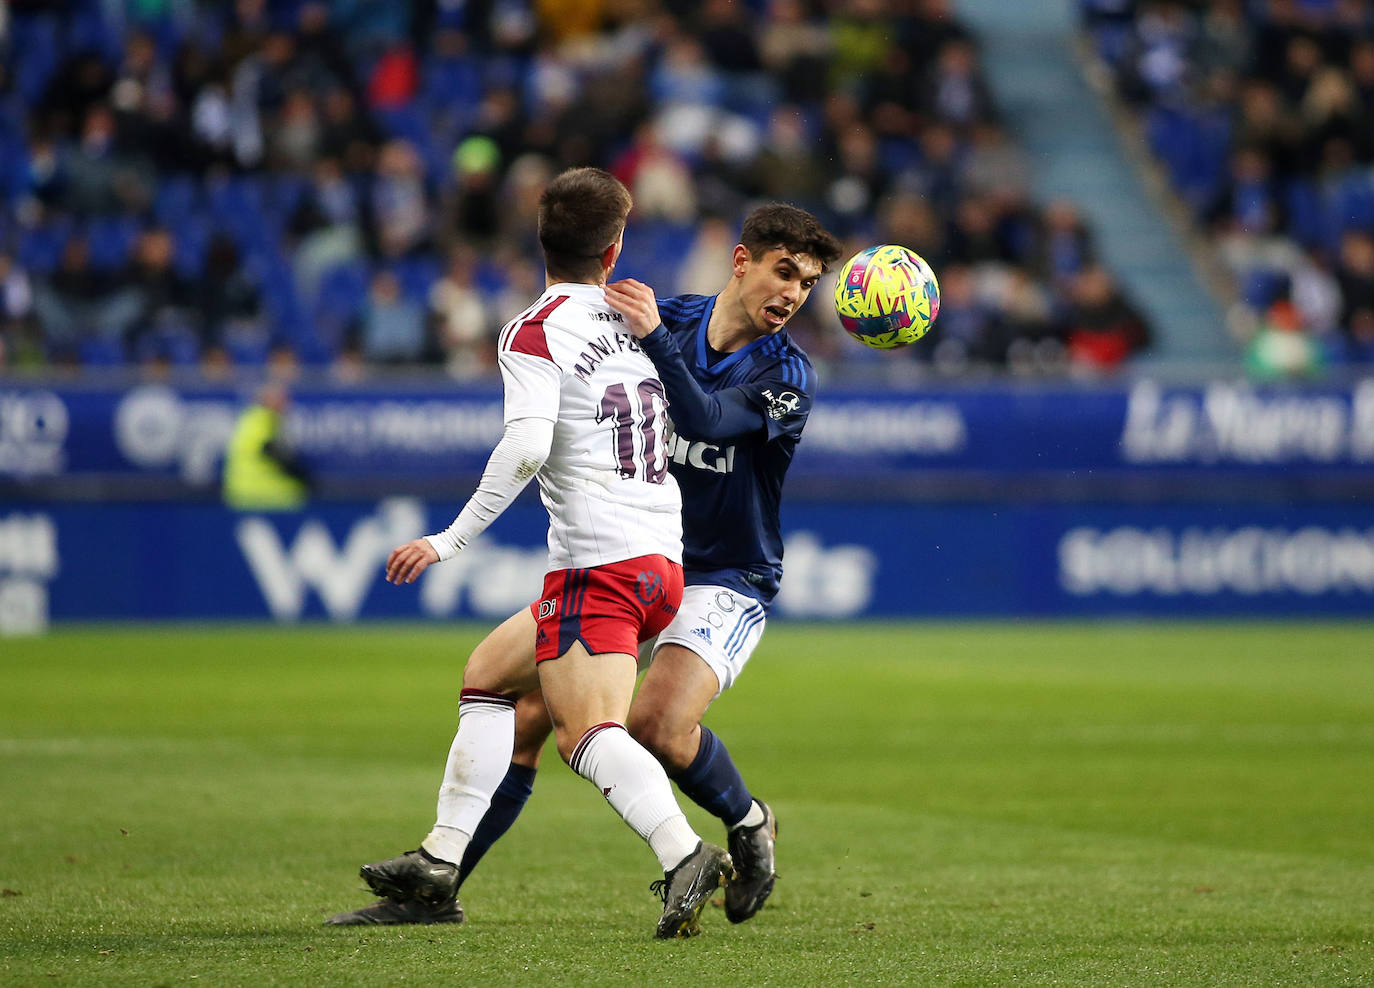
(731, 458)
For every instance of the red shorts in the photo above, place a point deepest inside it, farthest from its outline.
(609, 608)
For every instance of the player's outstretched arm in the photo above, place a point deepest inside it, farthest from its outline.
(523, 448)
(722, 415)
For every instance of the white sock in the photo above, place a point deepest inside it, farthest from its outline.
(751, 819)
(477, 762)
(637, 788)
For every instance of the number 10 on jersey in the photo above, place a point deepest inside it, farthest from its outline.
(641, 414)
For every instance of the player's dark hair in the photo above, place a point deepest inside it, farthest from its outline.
(581, 213)
(777, 224)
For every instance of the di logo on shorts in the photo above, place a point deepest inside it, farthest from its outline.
(548, 608)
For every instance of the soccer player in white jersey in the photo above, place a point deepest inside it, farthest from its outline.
(585, 415)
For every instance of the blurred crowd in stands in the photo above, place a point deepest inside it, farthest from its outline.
(1262, 114)
(188, 184)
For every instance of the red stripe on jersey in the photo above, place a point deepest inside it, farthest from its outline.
(526, 335)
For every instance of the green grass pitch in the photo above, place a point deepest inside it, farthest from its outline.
(960, 804)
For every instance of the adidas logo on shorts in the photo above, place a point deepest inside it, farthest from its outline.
(703, 633)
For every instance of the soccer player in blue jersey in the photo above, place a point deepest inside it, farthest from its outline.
(740, 390)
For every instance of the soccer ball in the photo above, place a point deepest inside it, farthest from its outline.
(887, 297)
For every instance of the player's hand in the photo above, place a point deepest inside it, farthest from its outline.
(408, 561)
(636, 302)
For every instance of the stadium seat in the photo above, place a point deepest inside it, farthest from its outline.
(417, 276)
(111, 239)
(87, 31)
(37, 51)
(40, 247)
(452, 81)
(342, 294)
(177, 197)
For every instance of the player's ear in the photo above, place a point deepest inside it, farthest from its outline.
(611, 254)
(741, 260)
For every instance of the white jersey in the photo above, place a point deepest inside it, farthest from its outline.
(570, 359)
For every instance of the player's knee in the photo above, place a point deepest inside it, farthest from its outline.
(566, 743)
(668, 741)
(641, 726)
(480, 674)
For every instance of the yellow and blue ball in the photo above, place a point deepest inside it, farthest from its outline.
(887, 297)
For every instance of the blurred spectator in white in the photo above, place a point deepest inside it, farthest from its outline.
(657, 177)
(708, 256)
(18, 338)
(1317, 295)
(462, 326)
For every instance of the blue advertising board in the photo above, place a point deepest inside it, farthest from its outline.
(908, 443)
(79, 562)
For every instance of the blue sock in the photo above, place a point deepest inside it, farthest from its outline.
(713, 782)
(506, 805)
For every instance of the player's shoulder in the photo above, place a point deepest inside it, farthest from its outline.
(781, 356)
(566, 309)
(525, 332)
(683, 310)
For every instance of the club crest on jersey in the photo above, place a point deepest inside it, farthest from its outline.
(649, 587)
(548, 608)
(780, 405)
